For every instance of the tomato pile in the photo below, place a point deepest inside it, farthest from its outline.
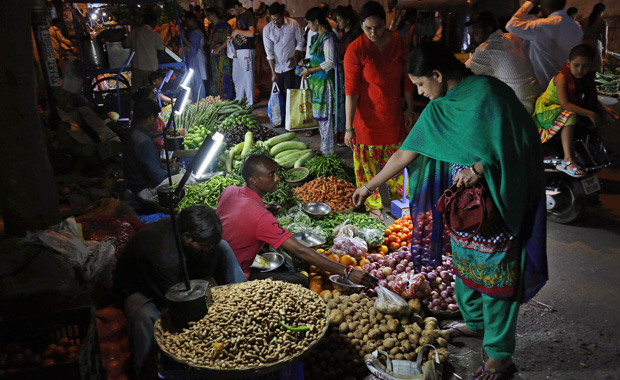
(399, 234)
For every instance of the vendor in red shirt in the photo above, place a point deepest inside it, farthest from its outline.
(374, 72)
(248, 225)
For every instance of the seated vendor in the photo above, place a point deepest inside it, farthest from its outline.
(149, 265)
(248, 225)
(146, 92)
(156, 78)
(142, 166)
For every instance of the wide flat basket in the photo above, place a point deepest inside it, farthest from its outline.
(164, 323)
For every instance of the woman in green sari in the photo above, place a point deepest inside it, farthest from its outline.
(325, 77)
(476, 129)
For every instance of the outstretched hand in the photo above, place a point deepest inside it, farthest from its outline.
(359, 196)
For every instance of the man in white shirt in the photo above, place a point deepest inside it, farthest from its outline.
(551, 38)
(503, 56)
(146, 43)
(283, 43)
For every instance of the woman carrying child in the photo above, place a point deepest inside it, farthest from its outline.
(570, 94)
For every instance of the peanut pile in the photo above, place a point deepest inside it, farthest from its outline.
(244, 326)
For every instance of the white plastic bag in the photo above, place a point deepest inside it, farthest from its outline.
(403, 369)
(231, 52)
(275, 106)
(92, 259)
(389, 302)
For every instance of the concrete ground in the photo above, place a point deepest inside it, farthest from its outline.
(570, 329)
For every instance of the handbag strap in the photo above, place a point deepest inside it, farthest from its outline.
(275, 88)
(421, 354)
(482, 208)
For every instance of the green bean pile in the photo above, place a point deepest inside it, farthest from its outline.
(283, 196)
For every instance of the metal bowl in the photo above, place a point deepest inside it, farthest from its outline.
(343, 288)
(273, 259)
(316, 208)
(309, 239)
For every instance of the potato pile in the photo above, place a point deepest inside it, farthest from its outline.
(357, 328)
(245, 326)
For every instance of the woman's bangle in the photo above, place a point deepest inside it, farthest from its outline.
(474, 171)
(349, 130)
(367, 189)
(411, 111)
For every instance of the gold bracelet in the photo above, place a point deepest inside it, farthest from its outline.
(349, 130)
(474, 171)
(367, 189)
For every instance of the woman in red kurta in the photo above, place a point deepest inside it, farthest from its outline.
(374, 69)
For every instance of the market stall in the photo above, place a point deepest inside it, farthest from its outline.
(390, 253)
(106, 65)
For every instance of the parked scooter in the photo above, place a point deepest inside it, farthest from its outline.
(567, 196)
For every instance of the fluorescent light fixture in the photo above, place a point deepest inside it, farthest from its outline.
(105, 14)
(217, 138)
(93, 16)
(187, 78)
(184, 100)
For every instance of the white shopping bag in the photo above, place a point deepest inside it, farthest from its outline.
(274, 108)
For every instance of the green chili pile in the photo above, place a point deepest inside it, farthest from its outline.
(326, 166)
(208, 193)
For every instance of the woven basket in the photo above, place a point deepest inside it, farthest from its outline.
(163, 324)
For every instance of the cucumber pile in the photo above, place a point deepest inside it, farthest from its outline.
(287, 152)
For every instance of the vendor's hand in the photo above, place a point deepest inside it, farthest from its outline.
(360, 277)
(409, 120)
(234, 34)
(273, 208)
(360, 195)
(274, 77)
(175, 166)
(305, 73)
(466, 178)
(349, 139)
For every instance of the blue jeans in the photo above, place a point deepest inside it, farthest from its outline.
(142, 313)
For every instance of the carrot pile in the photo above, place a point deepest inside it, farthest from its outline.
(334, 191)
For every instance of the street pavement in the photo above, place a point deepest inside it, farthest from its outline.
(570, 330)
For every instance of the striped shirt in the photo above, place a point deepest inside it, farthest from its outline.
(504, 56)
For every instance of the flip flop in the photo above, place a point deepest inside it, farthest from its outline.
(504, 373)
(452, 326)
(571, 172)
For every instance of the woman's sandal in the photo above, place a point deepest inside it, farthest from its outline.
(460, 332)
(504, 374)
(377, 214)
(571, 172)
